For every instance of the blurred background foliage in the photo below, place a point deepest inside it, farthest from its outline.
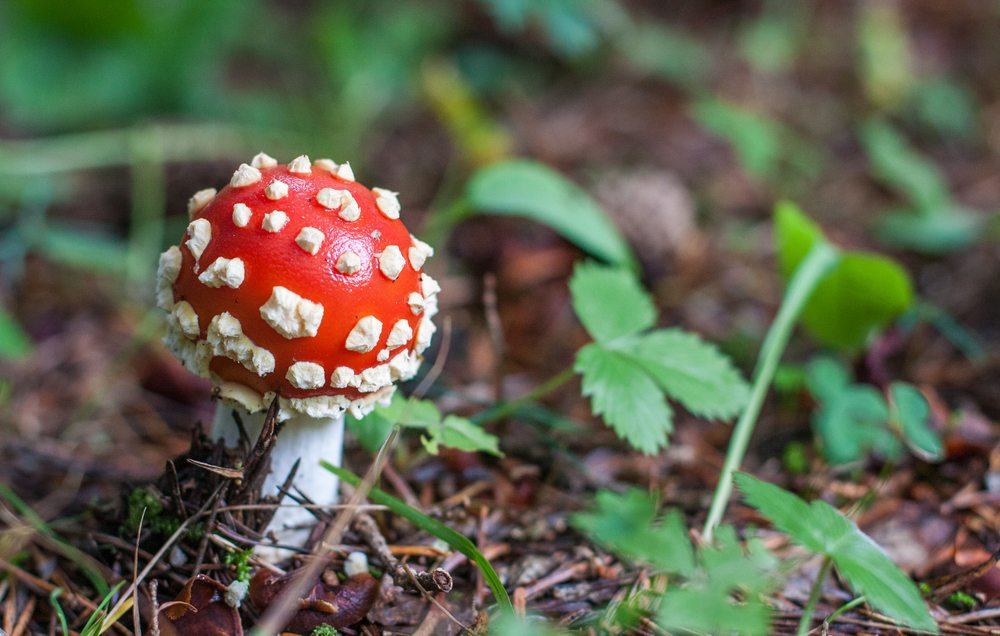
(803, 94)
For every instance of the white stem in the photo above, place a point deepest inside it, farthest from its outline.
(303, 438)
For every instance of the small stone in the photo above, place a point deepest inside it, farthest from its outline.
(275, 221)
(235, 593)
(356, 563)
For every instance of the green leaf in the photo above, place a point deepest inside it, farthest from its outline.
(610, 302)
(851, 418)
(706, 605)
(691, 371)
(535, 191)
(436, 528)
(626, 372)
(820, 528)
(458, 432)
(669, 53)
(626, 397)
(508, 624)
(937, 233)
(14, 342)
(911, 412)
(756, 140)
(421, 415)
(886, 66)
(371, 430)
(85, 250)
(862, 293)
(626, 524)
(900, 167)
(827, 378)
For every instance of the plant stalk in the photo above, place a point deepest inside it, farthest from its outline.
(509, 407)
(817, 588)
(807, 276)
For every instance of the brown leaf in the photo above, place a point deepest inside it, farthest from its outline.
(337, 605)
(199, 610)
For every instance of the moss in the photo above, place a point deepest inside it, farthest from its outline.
(155, 519)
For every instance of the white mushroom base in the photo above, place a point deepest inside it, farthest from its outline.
(305, 439)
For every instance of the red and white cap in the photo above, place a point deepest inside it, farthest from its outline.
(298, 281)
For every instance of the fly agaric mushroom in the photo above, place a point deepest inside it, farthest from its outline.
(296, 282)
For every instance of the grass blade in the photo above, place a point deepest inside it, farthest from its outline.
(57, 608)
(84, 561)
(436, 528)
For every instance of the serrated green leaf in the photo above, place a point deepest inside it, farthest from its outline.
(851, 418)
(460, 433)
(626, 524)
(821, 528)
(706, 605)
(422, 415)
(691, 371)
(911, 412)
(610, 302)
(626, 397)
(411, 412)
(14, 342)
(862, 293)
(535, 191)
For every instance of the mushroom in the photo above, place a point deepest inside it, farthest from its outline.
(295, 282)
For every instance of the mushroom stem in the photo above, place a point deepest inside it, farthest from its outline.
(304, 439)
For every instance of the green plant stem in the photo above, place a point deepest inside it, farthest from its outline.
(817, 588)
(810, 272)
(505, 409)
(840, 611)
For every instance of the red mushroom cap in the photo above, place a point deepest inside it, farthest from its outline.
(299, 281)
